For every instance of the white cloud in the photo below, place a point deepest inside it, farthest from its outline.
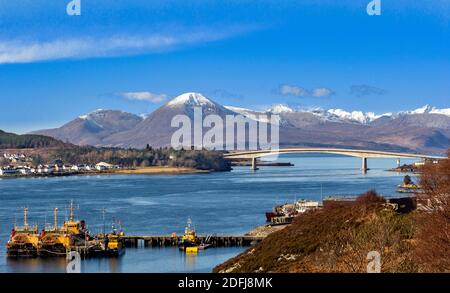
(144, 96)
(321, 92)
(20, 51)
(286, 89)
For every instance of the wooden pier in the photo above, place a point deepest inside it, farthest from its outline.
(169, 240)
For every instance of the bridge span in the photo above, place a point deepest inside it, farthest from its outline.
(363, 154)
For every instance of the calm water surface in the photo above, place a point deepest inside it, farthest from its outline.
(223, 203)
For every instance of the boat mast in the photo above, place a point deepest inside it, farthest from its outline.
(25, 217)
(55, 219)
(103, 213)
(71, 210)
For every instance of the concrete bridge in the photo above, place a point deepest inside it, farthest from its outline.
(363, 154)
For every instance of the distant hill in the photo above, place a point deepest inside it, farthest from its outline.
(93, 128)
(11, 140)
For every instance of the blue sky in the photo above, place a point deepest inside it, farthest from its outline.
(135, 55)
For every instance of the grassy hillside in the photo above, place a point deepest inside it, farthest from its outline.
(338, 239)
(15, 141)
(333, 240)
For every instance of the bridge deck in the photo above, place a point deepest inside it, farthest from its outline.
(348, 152)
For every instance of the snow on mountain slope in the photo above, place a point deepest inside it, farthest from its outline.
(279, 109)
(427, 109)
(192, 99)
(242, 111)
(340, 115)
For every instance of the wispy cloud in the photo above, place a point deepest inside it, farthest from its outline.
(322, 92)
(144, 96)
(362, 90)
(292, 90)
(25, 51)
(298, 91)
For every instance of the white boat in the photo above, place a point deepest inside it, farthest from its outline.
(304, 205)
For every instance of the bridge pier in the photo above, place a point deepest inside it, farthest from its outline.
(254, 167)
(364, 165)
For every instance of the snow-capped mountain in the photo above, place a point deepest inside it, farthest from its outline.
(156, 128)
(192, 99)
(426, 128)
(280, 108)
(427, 109)
(340, 115)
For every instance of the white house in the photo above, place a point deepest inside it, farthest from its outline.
(103, 166)
(49, 169)
(8, 171)
(25, 171)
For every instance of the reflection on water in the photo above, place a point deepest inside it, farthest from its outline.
(36, 265)
(223, 203)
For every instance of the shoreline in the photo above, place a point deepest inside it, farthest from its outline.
(152, 170)
(157, 170)
(265, 230)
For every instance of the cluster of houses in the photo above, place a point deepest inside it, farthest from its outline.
(15, 158)
(55, 168)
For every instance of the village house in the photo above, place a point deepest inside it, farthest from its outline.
(25, 170)
(81, 167)
(14, 158)
(8, 171)
(103, 166)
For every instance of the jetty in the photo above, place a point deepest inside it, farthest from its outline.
(173, 240)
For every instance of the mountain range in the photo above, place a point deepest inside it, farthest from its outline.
(426, 129)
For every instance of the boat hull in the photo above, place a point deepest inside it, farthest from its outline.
(21, 250)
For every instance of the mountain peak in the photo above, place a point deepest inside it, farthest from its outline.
(93, 113)
(191, 99)
(423, 110)
(280, 108)
(428, 109)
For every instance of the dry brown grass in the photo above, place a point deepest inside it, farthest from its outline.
(334, 240)
(337, 239)
(433, 226)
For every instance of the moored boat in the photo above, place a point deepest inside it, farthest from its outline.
(53, 242)
(189, 241)
(283, 214)
(24, 240)
(114, 245)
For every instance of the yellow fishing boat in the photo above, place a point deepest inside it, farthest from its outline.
(56, 241)
(189, 242)
(24, 240)
(114, 243)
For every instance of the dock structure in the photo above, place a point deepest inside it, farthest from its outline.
(169, 240)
